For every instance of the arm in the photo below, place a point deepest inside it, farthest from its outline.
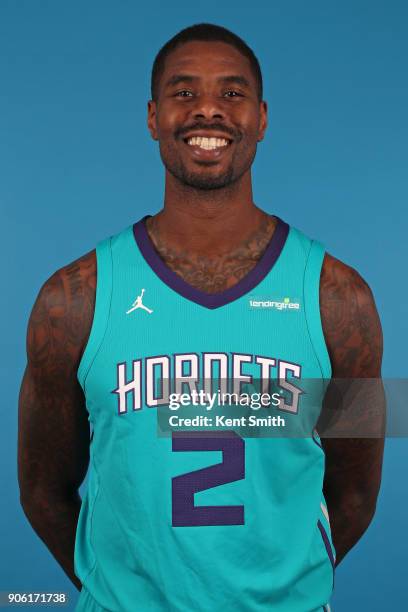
(353, 336)
(53, 428)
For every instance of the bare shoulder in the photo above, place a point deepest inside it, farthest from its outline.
(62, 315)
(351, 324)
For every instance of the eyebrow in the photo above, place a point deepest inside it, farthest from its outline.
(180, 78)
(236, 78)
(187, 78)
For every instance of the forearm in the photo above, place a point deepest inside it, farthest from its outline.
(348, 521)
(55, 522)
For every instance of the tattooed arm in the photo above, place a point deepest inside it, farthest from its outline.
(53, 429)
(353, 335)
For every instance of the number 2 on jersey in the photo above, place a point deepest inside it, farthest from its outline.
(232, 468)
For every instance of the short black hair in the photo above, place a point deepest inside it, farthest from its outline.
(205, 32)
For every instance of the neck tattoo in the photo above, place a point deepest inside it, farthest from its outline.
(214, 274)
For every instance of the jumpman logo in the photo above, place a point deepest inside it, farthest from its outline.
(138, 304)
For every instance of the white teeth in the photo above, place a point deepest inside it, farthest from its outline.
(207, 143)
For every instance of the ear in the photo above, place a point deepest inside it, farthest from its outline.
(263, 119)
(151, 119)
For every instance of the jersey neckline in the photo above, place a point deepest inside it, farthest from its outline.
(211, 300)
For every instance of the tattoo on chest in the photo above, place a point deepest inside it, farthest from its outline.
(213, 274)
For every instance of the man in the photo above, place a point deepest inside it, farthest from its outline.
(210, 284)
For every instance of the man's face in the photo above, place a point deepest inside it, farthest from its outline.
(207, 117)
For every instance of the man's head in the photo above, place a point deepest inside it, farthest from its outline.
(206, 110)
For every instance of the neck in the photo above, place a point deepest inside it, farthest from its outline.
(209, 222)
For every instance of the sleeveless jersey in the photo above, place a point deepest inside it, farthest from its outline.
(185, 522)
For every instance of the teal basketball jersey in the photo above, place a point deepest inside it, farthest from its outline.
(188, 520)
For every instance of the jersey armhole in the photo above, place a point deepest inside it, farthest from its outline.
(101, 311)
(311, 288)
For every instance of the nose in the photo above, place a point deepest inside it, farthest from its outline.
(208, 107)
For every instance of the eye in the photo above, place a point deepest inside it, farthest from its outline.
(183, 93)
(232, 93)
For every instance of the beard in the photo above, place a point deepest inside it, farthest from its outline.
(206, 179)
(202, 180)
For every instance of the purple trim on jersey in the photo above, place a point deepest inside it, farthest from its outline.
(327, 545)
(211, 300)
(315, 441)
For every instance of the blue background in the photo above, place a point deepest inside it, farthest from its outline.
(77, 164)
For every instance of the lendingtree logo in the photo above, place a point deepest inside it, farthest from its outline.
(285, 304)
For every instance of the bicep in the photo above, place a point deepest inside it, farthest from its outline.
(352, 422)
(53, 427)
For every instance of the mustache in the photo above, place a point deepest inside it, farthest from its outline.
(217, 127)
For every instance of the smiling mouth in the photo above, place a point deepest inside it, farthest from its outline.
(208, 144)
